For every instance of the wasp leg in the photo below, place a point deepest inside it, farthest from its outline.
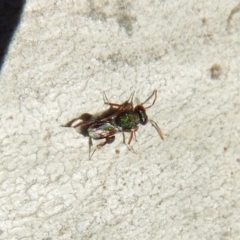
(132, 134)
(135, 136)
(83, 123)
(84, 117)
(130, 148)
(122, 106)
(80, 124)
(106, 101)
(89, 147)
(132, 131)
(154, 100)
(69, 124)
(108, 140)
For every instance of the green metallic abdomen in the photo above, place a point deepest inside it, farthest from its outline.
(128, 120)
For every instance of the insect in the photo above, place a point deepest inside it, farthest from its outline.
(118, 118)
(101, 125)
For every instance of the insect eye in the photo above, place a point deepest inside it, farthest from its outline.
(140, 110)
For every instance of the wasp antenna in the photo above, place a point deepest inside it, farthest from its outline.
(157, 128)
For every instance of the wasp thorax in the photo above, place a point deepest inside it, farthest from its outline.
(128, 120)
(140, 110)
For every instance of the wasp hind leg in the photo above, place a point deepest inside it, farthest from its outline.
(108, 140)
(70, 123)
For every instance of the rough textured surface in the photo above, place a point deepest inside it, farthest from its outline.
(64, 55)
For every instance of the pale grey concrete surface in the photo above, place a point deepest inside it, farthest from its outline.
(64, 55)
